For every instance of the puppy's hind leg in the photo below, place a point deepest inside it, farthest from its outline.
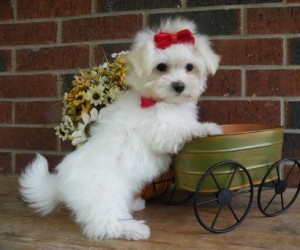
(108, 217)
(137, 204)
(135, 230)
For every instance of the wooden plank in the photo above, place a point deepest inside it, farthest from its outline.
(171, 228)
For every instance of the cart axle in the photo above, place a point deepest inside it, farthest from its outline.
(224, 197)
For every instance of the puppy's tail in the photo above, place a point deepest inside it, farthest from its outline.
(38, 186)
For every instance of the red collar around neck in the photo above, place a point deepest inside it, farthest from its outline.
(147, 102)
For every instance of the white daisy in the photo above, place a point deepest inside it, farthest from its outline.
(62, 132)
(81, 134)
(114, 92)
(95, 95)
(115, 55)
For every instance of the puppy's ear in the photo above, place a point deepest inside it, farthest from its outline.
(203, 49)
(140, 58)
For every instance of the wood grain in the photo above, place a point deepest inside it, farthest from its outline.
(171, 228)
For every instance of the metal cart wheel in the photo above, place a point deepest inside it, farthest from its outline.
(229, 205)
(173, 196)
(273, 198)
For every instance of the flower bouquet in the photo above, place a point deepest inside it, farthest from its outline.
(92, 90)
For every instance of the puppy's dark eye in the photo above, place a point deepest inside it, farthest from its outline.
(189, 67)
(162, 67)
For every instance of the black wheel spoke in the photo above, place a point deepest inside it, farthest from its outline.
(270, 202)
(223, 196)
(234, 214)
(269, 185)
(216, 217)
(278, 174)
(279, 187)
(282, 202)
(290, 171)
(215, 180)
(172, 194)
(232, 176)
(206, 202)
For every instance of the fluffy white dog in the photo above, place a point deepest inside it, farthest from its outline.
(133, 141)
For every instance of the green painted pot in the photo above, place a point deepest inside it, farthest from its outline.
(257, 147)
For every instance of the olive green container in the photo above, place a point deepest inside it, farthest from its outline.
(257, 147)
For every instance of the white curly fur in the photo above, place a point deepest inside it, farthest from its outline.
(130, 145)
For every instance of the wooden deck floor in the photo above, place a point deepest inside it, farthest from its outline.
(171, 228)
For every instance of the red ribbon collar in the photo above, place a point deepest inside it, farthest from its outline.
(147, 102)
(163, 39)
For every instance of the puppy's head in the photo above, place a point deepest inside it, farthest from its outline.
(171, 63)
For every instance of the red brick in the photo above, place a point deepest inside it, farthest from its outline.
(22, 160)
(28, 33)
(220, 22)
(292, 173)
(5, 112)
(5, 60)
(99, 28)
(103, 52)
(38, 112)
(224, 83)
(121, 5)
(28, 138)
(52, 8)
(273, 20)
(202, 3)
(5, 163)
(28, 86)
(273, 82)
(291, 146)
(230, 112)
(6, 10)
(249, 51)
(68, 57)
(294, 51)
(292, 117)
(66, 146)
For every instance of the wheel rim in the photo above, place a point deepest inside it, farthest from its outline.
(274, 195)
(226, 201)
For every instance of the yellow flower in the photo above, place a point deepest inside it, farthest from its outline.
(121, 59)
(87, 73)
(79, 98)
(86, 108)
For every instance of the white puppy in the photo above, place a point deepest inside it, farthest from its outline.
(133, 141)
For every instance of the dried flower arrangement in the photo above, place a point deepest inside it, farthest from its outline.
(92, 90)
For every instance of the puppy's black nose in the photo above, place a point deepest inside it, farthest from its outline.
(178, 86)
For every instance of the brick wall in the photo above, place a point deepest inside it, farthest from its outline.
(43, 42)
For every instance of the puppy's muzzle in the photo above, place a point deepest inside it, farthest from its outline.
(178, 86)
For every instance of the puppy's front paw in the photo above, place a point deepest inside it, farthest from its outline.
(214, 129)
(206, 129)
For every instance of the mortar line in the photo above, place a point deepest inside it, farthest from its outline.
(59, 32)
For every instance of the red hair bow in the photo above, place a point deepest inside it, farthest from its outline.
(163, 40)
